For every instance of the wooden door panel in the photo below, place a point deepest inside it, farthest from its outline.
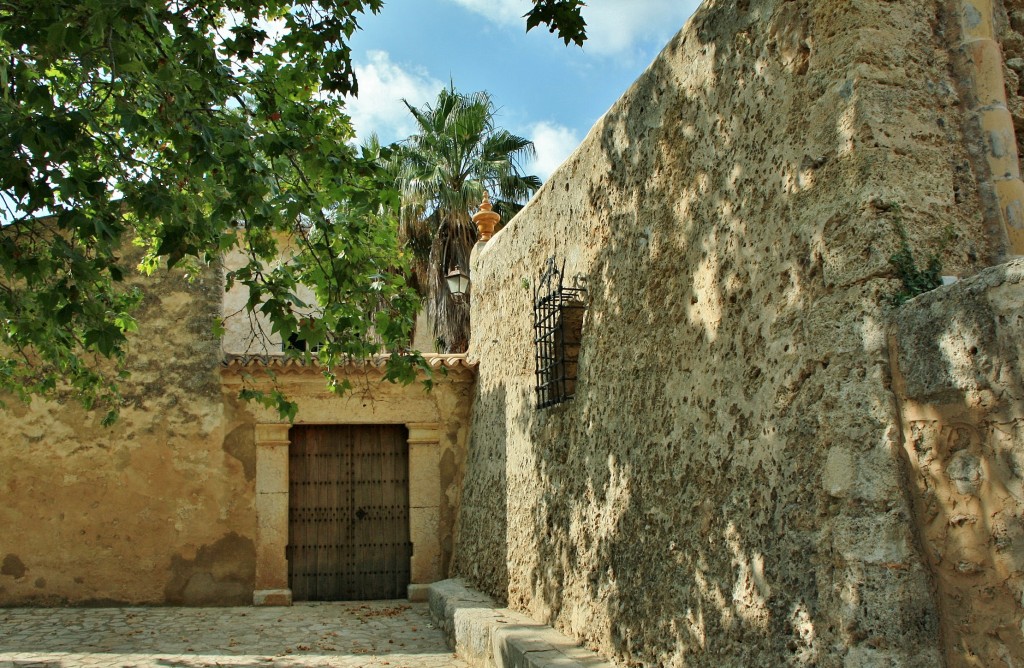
(348, 512)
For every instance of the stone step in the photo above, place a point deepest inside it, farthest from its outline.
(487, 635)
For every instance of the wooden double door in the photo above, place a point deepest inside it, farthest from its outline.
(348, 515)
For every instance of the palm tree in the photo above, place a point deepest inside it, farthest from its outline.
(442, 172)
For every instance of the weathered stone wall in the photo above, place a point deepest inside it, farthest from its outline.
(157, 508)
(726, 488)
(161, 507)
(958, 361)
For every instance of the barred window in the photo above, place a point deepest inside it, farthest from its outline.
(558, 315)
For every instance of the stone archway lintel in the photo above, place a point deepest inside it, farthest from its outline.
(268, 434)
(424, 432)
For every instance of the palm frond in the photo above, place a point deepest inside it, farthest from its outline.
(442, 171)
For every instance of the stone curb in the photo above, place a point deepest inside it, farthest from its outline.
(485, 635)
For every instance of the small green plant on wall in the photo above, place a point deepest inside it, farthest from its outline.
(915, 280)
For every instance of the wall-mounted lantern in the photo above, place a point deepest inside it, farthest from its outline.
(458, 282)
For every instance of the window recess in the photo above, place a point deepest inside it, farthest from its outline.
(558, 315)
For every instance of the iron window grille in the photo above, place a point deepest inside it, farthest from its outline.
(558, 314)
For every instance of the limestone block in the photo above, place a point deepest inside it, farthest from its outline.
(272, 512)
(423, 432)
(272, 597)
(486, 634)
(418, 593)
(271, 540)
(426, 546)
(424, 475)
(423, 523)
(1007, 299)
(472, 630)
(839, 473)
(271, 567)
(883, 539)
(271, 434)
(272, 469)
(869, 657)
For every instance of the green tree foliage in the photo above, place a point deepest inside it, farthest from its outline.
(442, 172)
(914, 280)
(192, 127)
(561, 16)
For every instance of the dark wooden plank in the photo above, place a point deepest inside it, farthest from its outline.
(393, 501)
(348, 512)
(297, 551)
(392, 531)
(378, 525)
(349, 568)
(364, 503)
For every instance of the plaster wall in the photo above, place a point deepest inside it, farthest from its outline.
(167, 506)
(726, 487)
(251, 333)
(157, 508)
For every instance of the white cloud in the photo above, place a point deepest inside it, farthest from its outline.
(613, 26)
(382, 86)
(499, 11)
(553, 144)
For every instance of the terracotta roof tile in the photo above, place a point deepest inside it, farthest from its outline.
(279, 363)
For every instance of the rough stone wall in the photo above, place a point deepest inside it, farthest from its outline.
(157, 508)
(957, 358)
(726, 488)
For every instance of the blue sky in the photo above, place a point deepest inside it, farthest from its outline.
(546, 91)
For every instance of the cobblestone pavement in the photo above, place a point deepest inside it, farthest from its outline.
(349, 635)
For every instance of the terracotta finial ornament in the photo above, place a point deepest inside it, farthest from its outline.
(486, 219)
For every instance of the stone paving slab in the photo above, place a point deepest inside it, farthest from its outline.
(396, 634)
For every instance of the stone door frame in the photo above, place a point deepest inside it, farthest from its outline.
(272, 508)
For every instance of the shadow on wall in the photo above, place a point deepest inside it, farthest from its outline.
(957, 359)
(482, 559)
(221, 574)
(726, 481)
